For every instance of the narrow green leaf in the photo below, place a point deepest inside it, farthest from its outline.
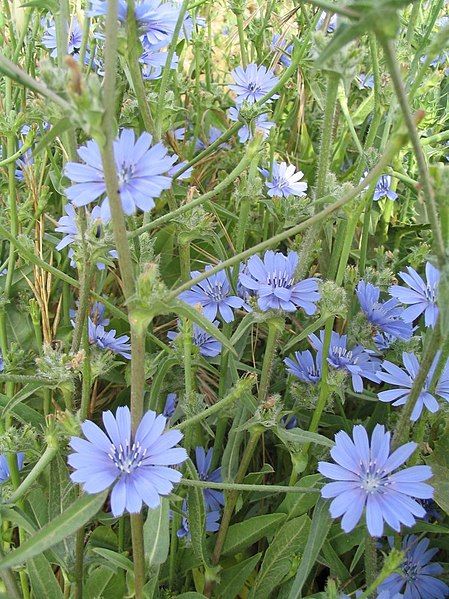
(321, 523)
(233, 578)
(24, 413)
(43, 581)
(66, 524)
(299, 436)
(246, 533)
(295, 504)
(288, 541)
(97, 580)
(115, 558)
(156, 534)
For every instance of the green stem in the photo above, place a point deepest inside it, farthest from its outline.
(134, 50)
(83, 305)
(403, 425)
(160, 107)
(126, 267)
(248, 488)
(275, 326)
(370, 559)
(45, 459)
(242, 42)
(393, 67)
(232, 497)
(324, 160)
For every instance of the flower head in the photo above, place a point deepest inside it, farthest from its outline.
(365, 81)
(365, 481)
(273, 281)
(357, 361)
(74, 38)
(141, 170)
(214, 295)
(214, 133)
(68, 224)
(261, 124)
(284, 180)
(213, 499)
(403, 380)
(208, 346)
(252, 83)
(138, 466)
(417, 575)
(386, 316)
(4, 468)
(304, 367)
(279, 44)
(383, 189)
(170, 405)
(211, 524)
(106, 340)
(153, 63)
(420, 296)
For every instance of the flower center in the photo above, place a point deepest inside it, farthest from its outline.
(411, 571)
(430, 293)
(372, 479)
(280, 279)
(127, 458)
(216, 292)
(125, 173)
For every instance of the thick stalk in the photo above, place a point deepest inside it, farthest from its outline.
(126, 267)
(134, 50)
(232, 497)
(424, 175)
(275, 326)
(370, 559)
(324, 160)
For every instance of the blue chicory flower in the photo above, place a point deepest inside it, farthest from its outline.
(304, 367)
(273, 281)
(403, 380)
(106, 340)
(213, 295)
(383, 189)
(137, 466)
(211, 524)
(261, 124)
(365, 81)
(208, 346)
(68, 224)
(170, 405)
(153, 62)
(364, 480)
(156, 20)
(284, 180)
(384, 316)
(289, 421)
(358, 361)
(74, 38)
(4, 468)
(421, 296)
(141, 170)
(332, 25)
(213, 499)
(278, 44)
(213, 134)
(252, 83)
(417, 575)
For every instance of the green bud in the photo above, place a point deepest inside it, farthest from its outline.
(334, 301)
